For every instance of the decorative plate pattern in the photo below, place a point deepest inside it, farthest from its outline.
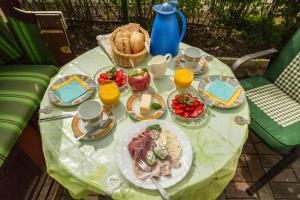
(107, 68)
(54, 99)
(98, 133)
(133, 106)
(201, 68)
(123, 158)
(205, 81)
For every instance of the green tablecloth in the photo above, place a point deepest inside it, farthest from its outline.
(84, 166)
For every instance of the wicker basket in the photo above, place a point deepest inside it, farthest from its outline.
(123, 59)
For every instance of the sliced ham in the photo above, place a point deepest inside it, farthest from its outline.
(165, 167)
(176, 163)
(140, 145)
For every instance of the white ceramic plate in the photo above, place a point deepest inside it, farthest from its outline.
(125, 162)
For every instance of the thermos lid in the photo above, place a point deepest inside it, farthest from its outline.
(166, 8)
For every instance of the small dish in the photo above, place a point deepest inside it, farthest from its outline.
(54, 99)
(200, 69)
(133, 106)
(188, 121)
(139, 79)
(79, 129)
(108, 68)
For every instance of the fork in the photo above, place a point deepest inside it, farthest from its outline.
(161, 190)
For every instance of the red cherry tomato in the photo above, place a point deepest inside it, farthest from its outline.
(119, 76)
(186, 114)
(104, 76)
(175, 106)
(179, 111)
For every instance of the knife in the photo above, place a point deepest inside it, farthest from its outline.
(57, 117)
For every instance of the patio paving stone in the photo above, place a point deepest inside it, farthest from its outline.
(265, 193)
(286, 190)
(242, 174)
(269, 160)
(249, 147)
(287, 175)
(296, 168)
(263, 149)
(242, 161)
(237, 190)
(255, 166)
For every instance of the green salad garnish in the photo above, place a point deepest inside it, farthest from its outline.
(156, 106)
(154, 127)
(134, 73)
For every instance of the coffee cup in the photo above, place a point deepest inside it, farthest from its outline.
(91, 114)
(192, 55)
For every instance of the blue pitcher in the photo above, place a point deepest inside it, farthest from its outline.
(165, 36)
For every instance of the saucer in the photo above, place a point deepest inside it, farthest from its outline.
(201, 68)
(79, 129)
(133, 108)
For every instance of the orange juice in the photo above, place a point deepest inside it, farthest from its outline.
(183, 78)
(109, 94)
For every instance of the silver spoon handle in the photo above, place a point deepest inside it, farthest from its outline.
(56, 117)
(161, 190)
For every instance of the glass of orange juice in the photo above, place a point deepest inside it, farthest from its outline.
(109, 93)
(183, 78)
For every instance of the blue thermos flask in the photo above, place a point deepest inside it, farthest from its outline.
(165, 35)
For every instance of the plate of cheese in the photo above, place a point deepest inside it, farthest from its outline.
(146, 105)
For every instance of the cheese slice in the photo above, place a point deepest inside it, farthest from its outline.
(145, 106)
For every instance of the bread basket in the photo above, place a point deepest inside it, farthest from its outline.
(123, 59)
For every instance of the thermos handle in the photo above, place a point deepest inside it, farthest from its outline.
(183, 20)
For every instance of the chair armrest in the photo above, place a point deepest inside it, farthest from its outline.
(243, 59)
(45, 13)
(53, 29)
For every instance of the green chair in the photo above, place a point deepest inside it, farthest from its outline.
(26, 68)
(274, 101)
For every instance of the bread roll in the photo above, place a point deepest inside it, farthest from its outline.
(137, 42)
(125, 34)
(133, 27)
(126, 45)
(119, 44)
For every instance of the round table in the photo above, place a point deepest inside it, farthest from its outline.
(85, 166)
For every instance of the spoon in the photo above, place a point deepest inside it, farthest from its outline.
(103, 124)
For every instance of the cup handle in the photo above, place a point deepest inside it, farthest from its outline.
(168, 57)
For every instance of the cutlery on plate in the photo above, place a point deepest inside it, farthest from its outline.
(161, 190)
(57, 117)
